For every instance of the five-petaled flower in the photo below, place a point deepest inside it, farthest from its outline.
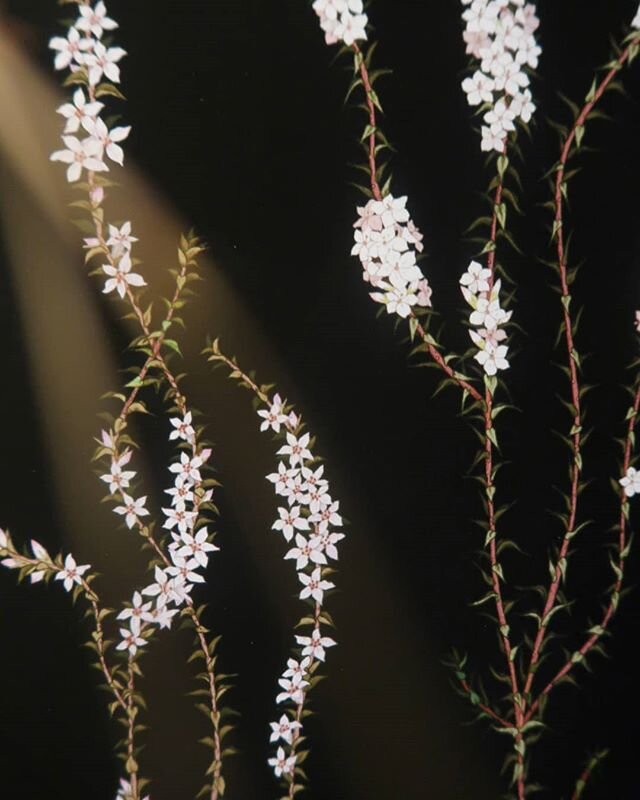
(282, 764)
(71, 573)
(284, 729)
(79, 155)
(121, 277)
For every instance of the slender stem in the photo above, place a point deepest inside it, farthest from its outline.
(583, 780)
(132, 711)
(366, 82)
(576, 430)
(490, 489)
(486, 709)
(610, 610)
(157, 357)
(375, 190)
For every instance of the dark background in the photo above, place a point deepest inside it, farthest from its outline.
(237, 117)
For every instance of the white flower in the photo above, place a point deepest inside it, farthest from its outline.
(397, 301)
(161, 588)
(80, 113)
(69, 49)
(493, 359)
(120, 239)
(179, 517)
(306, 551)
(118, 478)
(184, 569)
(476, 278)
(314, 586)
(290, 521)
(162, 616)
(636, 20)
(80, 155)
(132, 509)
(131, 641)
(121, 277)
(95, 20)
(282, 765)
(273, 418)
(188, 469)
(631, 482)
(103, 61)
(293, 689)
(327, 516)
(296, 667)
(296, 449)
(282, 478)
(71, 573)
(197, 547)
(109, 139)
(479, 88)
(183, 428)
(284, 729)
(138, 612)
(314, 645)
(181, 493)
(4, 541)
(327, 543)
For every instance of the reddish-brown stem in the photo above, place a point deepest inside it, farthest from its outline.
(132, 766)
(486, 709)
(617, 587)
(155, 344)
(586, 773)
(440, 361)
(368, 89)
(99, 642)
(375, 190)
(576, 430)
(491, 518)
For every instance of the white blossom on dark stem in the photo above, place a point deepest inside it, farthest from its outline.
(486, 318)
(342, 20)
(71, 573)
(631, 482)
(386, 242)
(499, 35)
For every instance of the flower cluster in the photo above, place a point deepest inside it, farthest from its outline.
(83, 53)
(487, 318)
(341, 20)
(500, 34)
(95, 65)
(308, 521)
(190, 545)
(386, 241)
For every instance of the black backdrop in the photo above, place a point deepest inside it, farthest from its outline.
(237, 117)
